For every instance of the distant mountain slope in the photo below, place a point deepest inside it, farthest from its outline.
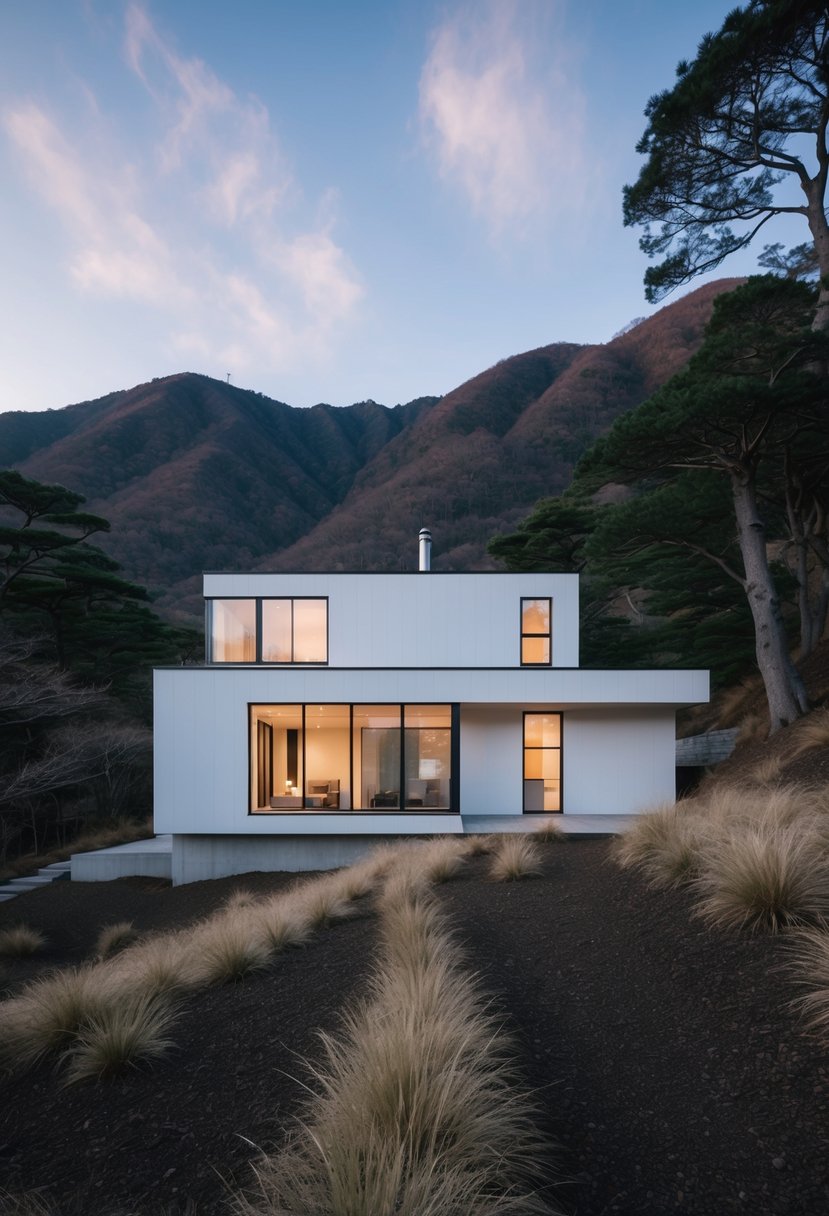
(475, 463)
(197, 474)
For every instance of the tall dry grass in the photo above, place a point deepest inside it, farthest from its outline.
(417, 1106)
(514, 856)
(754, 856)
(811, 964)
(115, 937)
(20, 941)
(132, 997)
(810, 733)
(120, 1035)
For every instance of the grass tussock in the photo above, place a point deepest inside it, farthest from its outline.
(479, 845)
(665, 844)
(20, 941)
(762, 877)
(240, 898)
(514, 857)
(549, 832)
(121, 1003)
(768, 769)
(49, 1013)
(439, 859)
(127, 1031)
(114, 938)
(811, 965)
(282, 924)
(226, 948)
(810, 733)
(417, 1108)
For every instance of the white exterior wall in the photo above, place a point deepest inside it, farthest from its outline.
(617, 762)
(423, 620)
(618, 742)
(622, 759)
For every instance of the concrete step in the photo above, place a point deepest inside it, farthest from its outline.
(59, 871)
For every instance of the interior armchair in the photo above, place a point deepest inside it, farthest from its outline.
(324, 794)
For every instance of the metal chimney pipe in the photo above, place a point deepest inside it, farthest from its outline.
(425, 563)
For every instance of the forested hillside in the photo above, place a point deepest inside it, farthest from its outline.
(196, 474)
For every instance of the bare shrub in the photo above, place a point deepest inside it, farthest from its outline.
(126, 1031)
(515, 856)
(20, 942)
(114, 938)
(27, 1203)
(417, 1109)
(764, 877)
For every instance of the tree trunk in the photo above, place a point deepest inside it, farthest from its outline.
(785, 693)
(819, 229)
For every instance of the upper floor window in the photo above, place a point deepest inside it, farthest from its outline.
(536, 632)
(268, 631)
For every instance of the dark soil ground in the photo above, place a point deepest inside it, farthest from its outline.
(666, 1058)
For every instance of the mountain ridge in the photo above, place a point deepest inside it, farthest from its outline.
(194, 473)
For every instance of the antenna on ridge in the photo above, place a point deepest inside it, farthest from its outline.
(228, 377)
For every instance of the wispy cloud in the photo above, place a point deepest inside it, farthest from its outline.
(199, 225)
(505, 126)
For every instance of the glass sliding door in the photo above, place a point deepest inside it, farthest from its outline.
(427, 756)
(327, 757)
(377, 755)
(542, 762)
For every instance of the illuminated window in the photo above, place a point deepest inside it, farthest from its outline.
(335, 758)
(536, 632)
(542, 763)
(268, 631)
(233, 631)
(295, 631)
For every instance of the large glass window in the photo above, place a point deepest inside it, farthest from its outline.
(268, 631)
(542, 762)
(233, 631)
(536, 632)
(427, 735)
(338, 757)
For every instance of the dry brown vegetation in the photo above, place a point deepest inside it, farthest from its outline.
(20, 941)
(120, 831)
(514, 857)
(418, 1106)
(754, 857)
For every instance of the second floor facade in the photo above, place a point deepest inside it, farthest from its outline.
(422, 620)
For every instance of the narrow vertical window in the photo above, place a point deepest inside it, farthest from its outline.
(536, 632)
(542, 763)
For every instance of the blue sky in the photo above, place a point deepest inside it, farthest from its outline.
(330, 201)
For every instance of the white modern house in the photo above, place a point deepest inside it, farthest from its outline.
(337, 710)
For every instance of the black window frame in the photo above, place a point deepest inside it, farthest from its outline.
(548, 634)
(560, 749)
(454, 757)
(258, 601)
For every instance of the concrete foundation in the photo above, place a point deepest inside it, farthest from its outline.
(196, 858)
(145, 858)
